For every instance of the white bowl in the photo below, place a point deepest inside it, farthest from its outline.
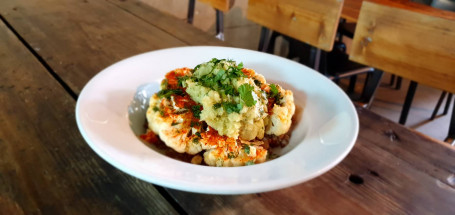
(110, 115)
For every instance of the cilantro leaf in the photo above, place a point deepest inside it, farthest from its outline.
(245, 91)
(196, 109)
(231, 107)
(231, 155)
(249, 163)
(181, 80)
(217, 105)
(246, 149)
(273, 90)
(168, 92)
(274, 93)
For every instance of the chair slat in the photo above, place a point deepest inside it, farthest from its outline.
(416, 46)
(311, 21)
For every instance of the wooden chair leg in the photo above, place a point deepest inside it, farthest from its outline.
(399, 80)
(371, 85)
(190, 14)
(264, 39)
(352, 82)
(392, 79)
(438, 105)
(446, 108)
(451, 136)
(219, 25)
(408, 102)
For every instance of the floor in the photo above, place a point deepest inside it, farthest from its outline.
(243, 33)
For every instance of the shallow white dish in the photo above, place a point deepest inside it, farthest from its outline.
(325, 133)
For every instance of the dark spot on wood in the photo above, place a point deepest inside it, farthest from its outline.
(12, 86)
(258, 195)
(355, 179)
(27, 87)
(374, 173)
(40, 88)
(392, 135)
(14, 8)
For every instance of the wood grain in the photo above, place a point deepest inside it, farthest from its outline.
(312, 22)
(402, 172)
(351, 8)
(413, 45)
(79, 38)
(181, 30)
(223, 5)
(45, 165)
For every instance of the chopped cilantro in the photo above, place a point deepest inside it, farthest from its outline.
(174, 123)
(198, 134)
(231, 107)
(246, 149)
(249, 163)
(156, 109)
(196, 109)
(196, 140)
(181, 81)
(217, 105)
(168, 92)
(231, 155)
(245, 91)
(257, 82)
(274, 93)
(194, 124)
(273, 90)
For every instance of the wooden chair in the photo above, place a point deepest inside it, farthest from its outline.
(313, 22)
(220, 6)
(417, 43)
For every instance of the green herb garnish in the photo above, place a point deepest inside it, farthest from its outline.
(249, 163)
(168, 92)
(194, 124)
(231, 107)
(196, 109)
(231, 155)
(156, 109)
(246, 149)
(274, 93)
(217, 105)
(198, 134)
(245, 91)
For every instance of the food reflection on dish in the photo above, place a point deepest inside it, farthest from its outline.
(219, 114)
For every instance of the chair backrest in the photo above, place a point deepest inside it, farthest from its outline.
(311, 21)
(418, 45)
(223, 5)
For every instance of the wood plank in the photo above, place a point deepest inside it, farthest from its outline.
(45, 165)
(400, 176)
(312, 22)
(351, 8)
(101, 34)
(223, 5)
(413, 45)
(174, 26)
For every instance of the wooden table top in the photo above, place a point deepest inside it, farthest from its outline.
(49, 49)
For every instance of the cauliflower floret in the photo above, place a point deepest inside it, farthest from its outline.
(240, 156)
(172, 129)
(280, 121)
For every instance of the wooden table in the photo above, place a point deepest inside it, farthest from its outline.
(49, 49)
